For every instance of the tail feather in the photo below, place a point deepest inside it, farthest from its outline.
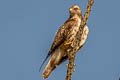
(55, 60)
(48, 70)
(49, 53)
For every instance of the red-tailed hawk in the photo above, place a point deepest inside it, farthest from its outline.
(67, 31)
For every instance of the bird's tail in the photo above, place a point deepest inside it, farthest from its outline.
(48, 69)
(55, 60)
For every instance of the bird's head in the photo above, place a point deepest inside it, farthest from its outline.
(75, 10)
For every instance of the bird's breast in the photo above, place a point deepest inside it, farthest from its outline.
(75, 28)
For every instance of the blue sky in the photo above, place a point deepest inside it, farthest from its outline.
(28, 27)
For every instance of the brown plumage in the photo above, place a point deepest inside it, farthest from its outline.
(67, 31)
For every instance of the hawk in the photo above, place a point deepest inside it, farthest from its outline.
(67, 31)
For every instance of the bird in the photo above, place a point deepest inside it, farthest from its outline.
(67, 31)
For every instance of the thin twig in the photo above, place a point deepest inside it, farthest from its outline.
(76, 42)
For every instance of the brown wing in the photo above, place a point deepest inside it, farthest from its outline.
(62, 33)
(60, 37)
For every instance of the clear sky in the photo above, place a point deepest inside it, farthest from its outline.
(27, 30)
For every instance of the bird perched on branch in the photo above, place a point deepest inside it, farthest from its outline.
(67, 31)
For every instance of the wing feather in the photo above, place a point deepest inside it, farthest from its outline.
(60, 37)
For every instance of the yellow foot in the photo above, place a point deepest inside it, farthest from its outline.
(68, 43)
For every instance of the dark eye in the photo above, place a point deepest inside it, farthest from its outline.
(75, 8)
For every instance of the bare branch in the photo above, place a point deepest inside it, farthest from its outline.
(72, 51)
